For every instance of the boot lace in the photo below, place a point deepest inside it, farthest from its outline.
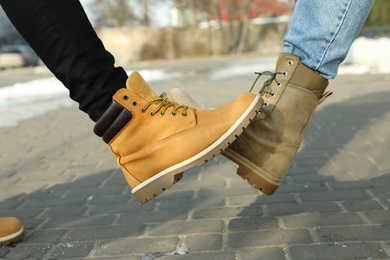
(266, 88)
(163, 105)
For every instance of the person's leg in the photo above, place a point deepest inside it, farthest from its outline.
(318, 40)
(322, 32)
(62, 36)
(153, 140)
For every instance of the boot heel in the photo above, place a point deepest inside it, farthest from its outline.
(155, 185)
(256, 181)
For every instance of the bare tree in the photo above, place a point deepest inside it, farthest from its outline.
(146, 20)
(217, 11)
(116, 13)
(244, 12)
(119, 13)
(232, 9)
(192, 12)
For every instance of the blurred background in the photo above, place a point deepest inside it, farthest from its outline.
(135, 30)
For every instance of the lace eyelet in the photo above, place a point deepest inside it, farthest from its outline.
(272, 94)
(135, 103)
(290, 63)
(285, 73)
(143, 110)
(265, 104)
(125, 98)
(279, 84)
(184, 114)
(161, 114)
(173, 114)
(152, 114)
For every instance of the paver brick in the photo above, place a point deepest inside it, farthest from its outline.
(261, 253)
(296, 208)
(359, 233)
(260, 200)
(224, 212)
(185, 228)
(338, 195)
(203, 243)
(107, 199)
(21, 213)
(225, 192)
(136, 246)
(71, 221)
(316, 219)
(272, 237)
(121, 208)
(191, 203)
(361, 205)
(153, 217)
(380, 217)
(70, 250)
(312, 180)
(338, 251)
(366, 184)
(253, 223)
(42, 236)
(91, 233)
(54, 202)
(224, 255)
(54, 212)
(302, 184)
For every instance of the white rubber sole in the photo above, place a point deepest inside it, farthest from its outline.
(152, 187)
(5, 241)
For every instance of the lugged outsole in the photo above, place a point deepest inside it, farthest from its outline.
(162, 181)
(257, 181)
(245, 171)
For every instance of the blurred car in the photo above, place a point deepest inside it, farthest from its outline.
(12, 56)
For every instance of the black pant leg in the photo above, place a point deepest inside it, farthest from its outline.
(62, 36)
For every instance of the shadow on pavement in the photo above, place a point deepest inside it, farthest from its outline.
(335, 195)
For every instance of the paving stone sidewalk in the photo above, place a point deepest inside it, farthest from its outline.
(63, 183)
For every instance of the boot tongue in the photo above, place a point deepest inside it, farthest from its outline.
(135, 83)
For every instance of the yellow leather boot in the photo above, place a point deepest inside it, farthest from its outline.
(267, 147)
(155, 140)
(11, 230)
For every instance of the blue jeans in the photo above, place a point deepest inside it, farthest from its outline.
(321, 32)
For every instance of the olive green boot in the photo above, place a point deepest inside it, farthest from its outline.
(267, 147)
